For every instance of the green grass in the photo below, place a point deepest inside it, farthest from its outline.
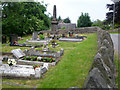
(72, 69)
(117, 63)
(115, 32)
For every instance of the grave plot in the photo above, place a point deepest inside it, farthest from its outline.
(26, 69)
(13, 42)
(36, 38)
(71, 38)
(31, 57)
(23, 71)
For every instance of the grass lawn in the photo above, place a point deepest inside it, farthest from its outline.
(114, 32)
(72, 69)
(117, 63)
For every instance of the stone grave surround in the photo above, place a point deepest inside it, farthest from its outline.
(49, 53)
(22, 71)
(102, 72)
(70, 39)
(55, 54)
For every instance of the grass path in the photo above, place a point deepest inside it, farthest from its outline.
(72, 69)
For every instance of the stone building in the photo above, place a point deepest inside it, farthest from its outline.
(66, 26)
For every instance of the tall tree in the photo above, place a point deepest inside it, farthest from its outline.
(101, 24)
(59, 18)
(24, 17)
(109, 15)
(84, 20)
(67, 20)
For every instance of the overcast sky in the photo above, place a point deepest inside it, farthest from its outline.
(73, 8)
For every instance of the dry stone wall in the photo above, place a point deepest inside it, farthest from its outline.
(102, 71)
(76, 30)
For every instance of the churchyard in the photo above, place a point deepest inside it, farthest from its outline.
(65, 65)
(71, 58)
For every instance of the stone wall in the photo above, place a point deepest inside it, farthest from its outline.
(102, 71)
(76, 30)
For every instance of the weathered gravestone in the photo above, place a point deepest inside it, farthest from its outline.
(13, 38)
(34, 36)
(18, 53)
(4, 39)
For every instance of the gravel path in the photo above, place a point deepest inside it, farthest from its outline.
(116, 41)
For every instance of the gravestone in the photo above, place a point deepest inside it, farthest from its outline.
(4, 39)
(13, 38)
(46, 65)
(20, 71)
(18, 53)
(54, 21)
(34, 36)
(63, 35)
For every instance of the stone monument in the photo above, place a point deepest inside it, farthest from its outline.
(54, 20)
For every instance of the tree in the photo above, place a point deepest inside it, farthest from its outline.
(67, 20)
(109, 15)
(59, 18)
(101, 24)
(24, 17)
(84, 20)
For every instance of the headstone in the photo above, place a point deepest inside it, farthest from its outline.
(13, 38)
(38, 72)
(46, 65)
(5, 58)
(63, 35)
(44, 70)
(4, 39)
(34, 36)
(18, 53)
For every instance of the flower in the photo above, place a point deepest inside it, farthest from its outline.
(11, 62)
(34, 66)
(39, 58)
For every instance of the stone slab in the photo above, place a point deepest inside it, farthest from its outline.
(18, 71)
(18, 53)
(35, 41)
(70, 39)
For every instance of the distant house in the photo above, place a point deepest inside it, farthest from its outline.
(66, 25)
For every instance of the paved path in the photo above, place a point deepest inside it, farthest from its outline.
(116, 41)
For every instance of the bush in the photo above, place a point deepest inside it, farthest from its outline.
(42, 36)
